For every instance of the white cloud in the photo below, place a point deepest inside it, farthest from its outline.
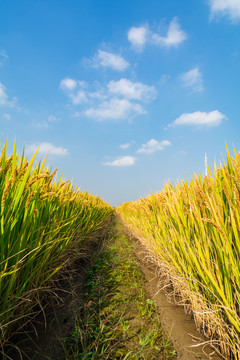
(47, 148)
(4, 100)
(98, 94)
(3, 95)
(125, 146)
(82, 83)
(116, 100)
(212, 118)
(68, 84)
(52, 118)
(193, 79)
(72, 86)
(109, 60)
(114, 109)
(152, 146)
(130, 90)
(122, 161)
(175, 35)
(78, 98)
(138, 37)
(230, 8)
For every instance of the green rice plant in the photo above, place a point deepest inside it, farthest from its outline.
(193, 232)
(44, 224)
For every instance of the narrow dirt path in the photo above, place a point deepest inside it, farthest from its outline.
(119, 319)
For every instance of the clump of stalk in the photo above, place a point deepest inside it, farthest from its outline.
(193, 232)
(43, 222)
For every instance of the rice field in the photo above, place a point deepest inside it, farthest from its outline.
(192, 230)
(44, 224)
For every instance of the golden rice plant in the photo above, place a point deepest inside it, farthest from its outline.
(193, 232)
(43, 223)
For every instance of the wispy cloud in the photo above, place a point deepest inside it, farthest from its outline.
(78, 98)
(98, 94)
(140, 36)
(153, 146)
(114, 109)
(127, 145)
(4, 99)
(164, 78)
(212, 118)
(3, 57)
(122, 161)
(137, 36)
(3, 54)
(52, 118)
(229, 8)
(47, 148)
(3, 95)
(132, 90)
(193, 79)
(45, 124)
(40, 124)
(175, 35)
(109, 60)
(7, 116)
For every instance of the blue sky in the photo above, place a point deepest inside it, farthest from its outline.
(123, 95)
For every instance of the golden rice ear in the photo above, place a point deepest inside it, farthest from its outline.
(3, 155)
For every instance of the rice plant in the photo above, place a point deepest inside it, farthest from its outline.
(44, 223)
(193, 232)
